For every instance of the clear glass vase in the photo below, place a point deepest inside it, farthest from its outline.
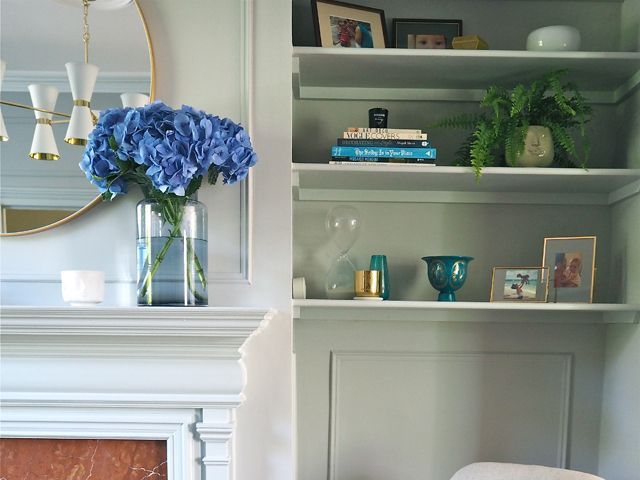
(172, 253)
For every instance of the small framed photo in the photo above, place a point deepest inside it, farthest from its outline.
(572, 264)
(344, 25)
(426, 33)
(519, 284)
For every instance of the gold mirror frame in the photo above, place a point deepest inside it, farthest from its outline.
(98, 199)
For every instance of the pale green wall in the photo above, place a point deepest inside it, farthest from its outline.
(496, 235)
(319, 122)
(598, 21)
(630, 26)
(620, 430)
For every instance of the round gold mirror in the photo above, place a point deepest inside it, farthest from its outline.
(41, 184)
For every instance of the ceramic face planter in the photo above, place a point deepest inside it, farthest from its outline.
(538, 148)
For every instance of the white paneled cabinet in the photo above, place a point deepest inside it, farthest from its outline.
(414, 389)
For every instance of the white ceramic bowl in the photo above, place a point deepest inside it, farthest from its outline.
(555, 38)
(82, 287)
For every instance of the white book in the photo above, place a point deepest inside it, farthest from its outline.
(394, 164)
(383, 130)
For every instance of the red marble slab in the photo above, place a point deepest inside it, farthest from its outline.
(52, 459)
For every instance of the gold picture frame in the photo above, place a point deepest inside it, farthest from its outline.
(572, 266)
(519, 284)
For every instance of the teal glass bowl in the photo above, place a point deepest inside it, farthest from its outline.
(447, 273)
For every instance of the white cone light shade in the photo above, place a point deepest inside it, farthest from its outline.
(134, 100)
(4, 136)
(44, 145)
(82, 79)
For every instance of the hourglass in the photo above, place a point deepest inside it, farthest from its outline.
(342, 223)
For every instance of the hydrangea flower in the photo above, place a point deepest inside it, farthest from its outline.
(164, 150)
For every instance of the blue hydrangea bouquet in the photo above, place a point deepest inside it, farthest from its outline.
(167, 152)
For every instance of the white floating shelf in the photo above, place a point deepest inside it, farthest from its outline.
(557, 313)
(460, 75)
(436, 184)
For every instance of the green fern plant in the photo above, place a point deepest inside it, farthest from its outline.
(498, 134)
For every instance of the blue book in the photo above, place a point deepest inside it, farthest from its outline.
(382, 152)
(381, 142)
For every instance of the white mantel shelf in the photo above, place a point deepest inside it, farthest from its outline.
(132, 321)
(430, 311)
(201, 339)
(457, 75)
(443, 184)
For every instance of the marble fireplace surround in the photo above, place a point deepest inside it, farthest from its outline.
(172, 374)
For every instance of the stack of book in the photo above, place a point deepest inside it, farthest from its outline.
(383, 146)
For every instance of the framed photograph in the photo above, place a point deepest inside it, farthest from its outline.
(416, 33)
(344, 25)
(519, 284)
(572, 264)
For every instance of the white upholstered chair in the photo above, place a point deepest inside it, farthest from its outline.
(512, 471)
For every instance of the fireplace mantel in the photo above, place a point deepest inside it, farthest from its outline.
(145, 372)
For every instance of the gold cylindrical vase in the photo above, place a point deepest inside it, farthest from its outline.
(367, 283)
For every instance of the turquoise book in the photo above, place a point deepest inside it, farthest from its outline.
(383, 152)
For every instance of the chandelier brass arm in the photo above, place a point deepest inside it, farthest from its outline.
(30, 107)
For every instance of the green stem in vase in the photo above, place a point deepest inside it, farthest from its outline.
(173, 212)
(148, 279)
(196, 261)
(192, 257)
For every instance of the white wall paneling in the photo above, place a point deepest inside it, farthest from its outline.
(388, 397)
(423, 415)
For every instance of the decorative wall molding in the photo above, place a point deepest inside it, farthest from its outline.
(148, 372)
(133, 321)
(71, 197)
(217, 438)
(417, 372)
(109, 82)
(246, 118)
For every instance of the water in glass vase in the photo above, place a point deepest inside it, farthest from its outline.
(172, 271)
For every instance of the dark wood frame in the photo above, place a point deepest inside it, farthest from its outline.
(316, 20)
(394, 40)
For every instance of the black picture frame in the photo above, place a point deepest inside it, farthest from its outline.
(325, 27)
(403, 28)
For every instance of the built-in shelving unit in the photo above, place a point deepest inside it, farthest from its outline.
(558, 313)
(408, 183)
(460, 75)
(357, 360)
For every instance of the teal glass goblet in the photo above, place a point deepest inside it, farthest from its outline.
(447, 273)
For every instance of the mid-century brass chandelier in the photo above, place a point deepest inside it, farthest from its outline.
(82, 79)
